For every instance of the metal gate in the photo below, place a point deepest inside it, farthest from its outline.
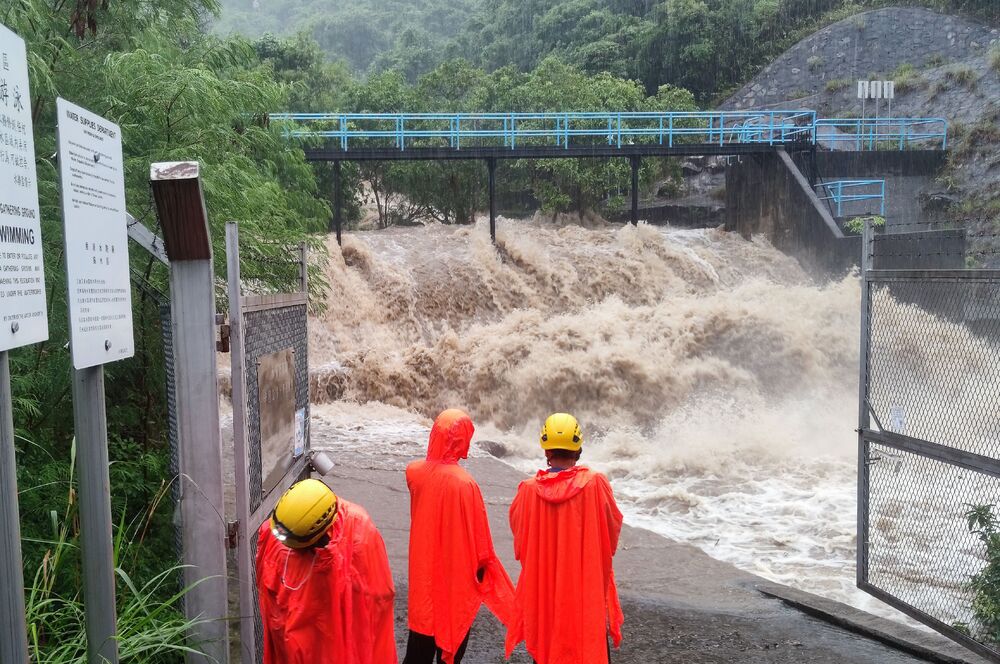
(929, 446)
(269, 337)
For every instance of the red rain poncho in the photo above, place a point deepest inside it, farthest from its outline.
(450, 541)
(331, 605)
(566, 528)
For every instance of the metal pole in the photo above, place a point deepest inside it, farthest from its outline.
(635, 160)
(864, 422)
(13, 632)
(180, 207)
(245, 562)
(337, 201)
(491, 165)
(303, 267)
(90, 421)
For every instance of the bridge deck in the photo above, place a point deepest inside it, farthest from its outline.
(546, 152)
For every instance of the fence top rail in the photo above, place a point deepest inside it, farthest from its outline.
(849, 183)
(611, 115)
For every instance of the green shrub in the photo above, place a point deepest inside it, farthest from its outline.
(985, 584)
(857, 224)
(814, 62)
(994, 56)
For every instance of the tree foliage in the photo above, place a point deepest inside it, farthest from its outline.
(178, 94)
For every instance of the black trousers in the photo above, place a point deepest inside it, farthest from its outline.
(420, 649)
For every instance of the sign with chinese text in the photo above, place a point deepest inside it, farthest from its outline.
(23, 317)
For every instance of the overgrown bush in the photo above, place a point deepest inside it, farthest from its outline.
(985, 585)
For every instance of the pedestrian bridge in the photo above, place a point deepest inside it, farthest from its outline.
(404, 136)
(338, 137)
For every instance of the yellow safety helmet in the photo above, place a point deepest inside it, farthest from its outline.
(303, 515)
(561, 431)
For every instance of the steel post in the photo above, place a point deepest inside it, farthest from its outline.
(867, 257)
(90, 420)
(491, 165)
(635, 162)
(13, 632)
(337, 201)
(248, 649)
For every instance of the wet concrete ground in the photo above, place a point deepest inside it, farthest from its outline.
(680, 605)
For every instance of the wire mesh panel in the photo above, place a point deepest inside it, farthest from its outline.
(267, 331)
(929, 475)
(934, 361)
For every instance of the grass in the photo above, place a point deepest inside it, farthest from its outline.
(936, 60)
(151, 626)
(962, 75)
(907, 78)
(814, 62)
(837, 84)
(994, 56)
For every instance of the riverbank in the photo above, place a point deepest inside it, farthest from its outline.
(680, 604)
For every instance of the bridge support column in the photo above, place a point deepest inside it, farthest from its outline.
(338, 201)
(491, 166)
(636, 162)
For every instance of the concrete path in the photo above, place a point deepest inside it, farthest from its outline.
(680, 605)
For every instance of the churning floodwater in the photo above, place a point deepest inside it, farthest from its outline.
(716, 382)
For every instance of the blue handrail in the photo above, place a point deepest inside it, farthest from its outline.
(510, 130)
(513, 130)
(835, 191)
(883, 133)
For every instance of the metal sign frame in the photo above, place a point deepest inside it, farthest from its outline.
(942, 456)
(247, 312)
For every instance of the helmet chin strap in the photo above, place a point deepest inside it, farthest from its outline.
(284, 572)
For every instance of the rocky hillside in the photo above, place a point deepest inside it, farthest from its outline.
(943, 66)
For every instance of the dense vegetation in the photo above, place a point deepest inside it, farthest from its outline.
(706, 46)
(177, 94)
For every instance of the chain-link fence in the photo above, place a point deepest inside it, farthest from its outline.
(929, 466)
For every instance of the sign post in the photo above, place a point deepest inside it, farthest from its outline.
(180, 207)
(92, 181)
(23, 317)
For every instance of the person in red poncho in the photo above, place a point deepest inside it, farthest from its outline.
(323, 581)
(453, 567)
(566, 526)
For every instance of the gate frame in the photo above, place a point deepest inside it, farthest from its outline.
(866, 435)
(247, 519)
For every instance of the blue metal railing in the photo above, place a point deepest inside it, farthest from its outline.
(512, 130)
(883, 133)
(847, 191)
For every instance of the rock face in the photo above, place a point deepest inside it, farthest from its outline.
(875, 45)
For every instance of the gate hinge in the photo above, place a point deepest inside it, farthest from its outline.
(222, 345)
(232, 534)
